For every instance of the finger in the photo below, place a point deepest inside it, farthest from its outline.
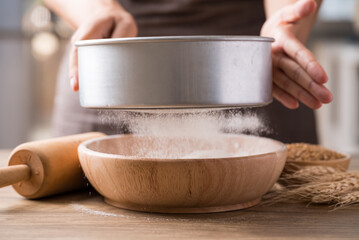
(73, 59)
(125, 28)
(101, 28)
(76, 36)
(73, 69)
(286, 99)
(121, 31)
(287, 85)
(98, 29)
(298, 52)
(298, 75)
(295, 12)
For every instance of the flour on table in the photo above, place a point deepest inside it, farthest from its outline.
(84, 209)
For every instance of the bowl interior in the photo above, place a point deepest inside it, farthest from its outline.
(159, 147)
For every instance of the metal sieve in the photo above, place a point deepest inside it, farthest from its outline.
(175, 72)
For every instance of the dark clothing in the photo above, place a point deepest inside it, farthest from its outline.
(196, 17)
(187, 17)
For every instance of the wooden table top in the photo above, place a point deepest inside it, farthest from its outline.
(84, 215)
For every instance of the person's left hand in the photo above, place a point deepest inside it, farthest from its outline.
(297, 76)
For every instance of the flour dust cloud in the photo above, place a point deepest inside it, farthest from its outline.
(190, 134)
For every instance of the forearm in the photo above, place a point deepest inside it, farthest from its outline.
(76, 12)
(272, 6)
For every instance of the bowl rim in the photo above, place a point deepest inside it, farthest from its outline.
(83, 148)
(346, 157)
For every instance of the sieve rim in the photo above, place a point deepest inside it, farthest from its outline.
(162, 39)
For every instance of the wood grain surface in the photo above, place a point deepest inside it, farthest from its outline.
(84, 215)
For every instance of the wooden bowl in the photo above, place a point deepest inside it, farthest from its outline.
(177, 185)
(341, 164)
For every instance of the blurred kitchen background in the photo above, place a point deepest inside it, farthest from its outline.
(32, 41)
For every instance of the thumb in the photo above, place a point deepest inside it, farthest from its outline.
(297, 11)
(73, 69)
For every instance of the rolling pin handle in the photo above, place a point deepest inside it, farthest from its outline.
(14, 174)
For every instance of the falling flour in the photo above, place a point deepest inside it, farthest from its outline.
(197, 134)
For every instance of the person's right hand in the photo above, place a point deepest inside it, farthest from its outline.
(109, 22)
(297, 75)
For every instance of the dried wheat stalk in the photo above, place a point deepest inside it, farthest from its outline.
(348, 199)
(307, 174)
(318, 184)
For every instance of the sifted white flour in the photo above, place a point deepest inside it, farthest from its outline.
(204, 127)
(84, 209)
(213, 154)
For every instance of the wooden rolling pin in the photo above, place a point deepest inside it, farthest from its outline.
(43, 168)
